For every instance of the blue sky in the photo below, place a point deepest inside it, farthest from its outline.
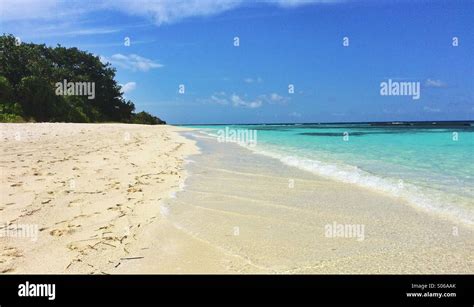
(282, 42)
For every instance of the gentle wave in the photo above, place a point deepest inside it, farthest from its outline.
(437, 202)
(427, 199)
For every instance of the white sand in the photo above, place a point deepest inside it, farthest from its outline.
(99, 197)
(90, 190)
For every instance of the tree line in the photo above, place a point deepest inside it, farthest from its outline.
(30, 77)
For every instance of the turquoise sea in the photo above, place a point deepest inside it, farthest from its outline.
(430, 165)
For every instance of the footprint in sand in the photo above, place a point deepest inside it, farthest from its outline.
(7, 256)
(64, 231)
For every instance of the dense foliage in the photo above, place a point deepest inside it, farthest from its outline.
(29, 74)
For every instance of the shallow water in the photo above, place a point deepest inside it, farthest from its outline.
(273, 217)
(432, 167)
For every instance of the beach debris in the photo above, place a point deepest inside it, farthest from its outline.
(132, 258)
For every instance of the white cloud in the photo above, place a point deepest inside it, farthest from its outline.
(131, 62)
(239, 102)
(160, 11)
(170, 11)
(27, 9)
(219, 98)
(92, 31)
(295, 3)
(274, 98)
(61, 29)
(435, 83)
(14, 10)
(128, 87)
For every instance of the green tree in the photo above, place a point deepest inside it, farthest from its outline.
(147, 119)
(10, 111)
(38, 99)
(30, 72)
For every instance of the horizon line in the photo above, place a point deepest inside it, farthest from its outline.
(470, 121)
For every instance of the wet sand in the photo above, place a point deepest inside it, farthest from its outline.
(274, 218)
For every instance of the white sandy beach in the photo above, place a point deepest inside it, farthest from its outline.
(101, 199)
(89, 189)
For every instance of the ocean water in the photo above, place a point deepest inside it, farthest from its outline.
(431, 166)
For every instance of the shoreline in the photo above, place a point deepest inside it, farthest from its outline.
(416, 194)
(159, 199)
(409, 194)
(240, 202)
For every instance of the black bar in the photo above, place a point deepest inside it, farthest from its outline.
(291, 290)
